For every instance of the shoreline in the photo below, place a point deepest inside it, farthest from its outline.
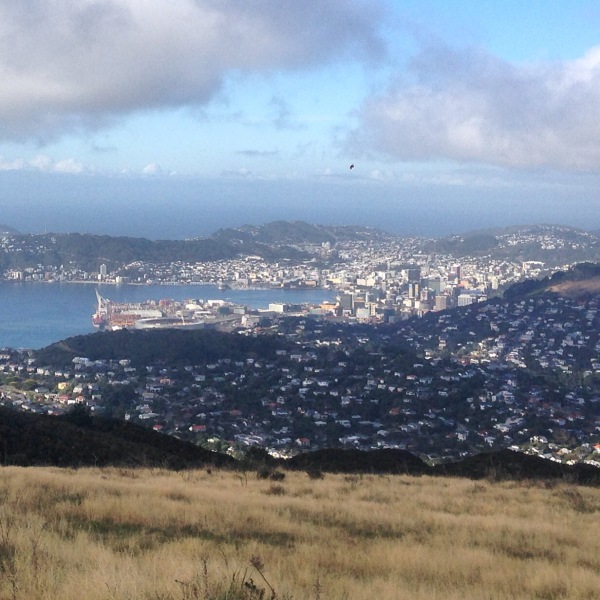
(35, 316)
(169, 283)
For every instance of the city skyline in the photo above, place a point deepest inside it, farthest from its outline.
(172, 120)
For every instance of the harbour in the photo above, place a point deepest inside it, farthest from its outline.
(37, 314)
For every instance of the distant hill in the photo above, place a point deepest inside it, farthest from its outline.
(583, 278)
(298, 232)
(466, 245)
(278, 232)
(6, 230)
(274, 241)
(553, 245)
(87, 251)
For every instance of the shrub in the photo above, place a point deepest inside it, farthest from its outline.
(315, 473)
(276, 490)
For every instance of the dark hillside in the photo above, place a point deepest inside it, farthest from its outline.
(506, 464)
(357, 461)
(77, 441)
(172, 347)
(499, 465)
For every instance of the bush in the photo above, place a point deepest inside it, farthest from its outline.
(275, 490)
(315, 473)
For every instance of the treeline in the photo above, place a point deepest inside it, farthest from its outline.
(169, 346)
(78, 440)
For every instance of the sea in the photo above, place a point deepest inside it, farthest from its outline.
(35, 315)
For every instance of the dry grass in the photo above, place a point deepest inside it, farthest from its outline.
(108, 534)
(573, 289)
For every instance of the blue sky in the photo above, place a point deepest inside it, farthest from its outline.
(172, 119)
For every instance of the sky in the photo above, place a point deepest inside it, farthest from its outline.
(173, 119)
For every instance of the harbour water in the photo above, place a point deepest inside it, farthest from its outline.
(34, 315)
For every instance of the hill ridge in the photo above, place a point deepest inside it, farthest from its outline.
(78, 440)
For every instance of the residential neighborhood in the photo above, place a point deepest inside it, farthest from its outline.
(521, 373)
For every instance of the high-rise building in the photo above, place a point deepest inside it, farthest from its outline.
(413, 274)
(413, 290)
(441, 302)
(433, 283)
(345, 302)
(103, 272)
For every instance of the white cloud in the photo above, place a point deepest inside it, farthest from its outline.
(380, 175)
(68, 165)
(41, 162)
(152, 169)
(470, 106)
(82, 63)
(11, 165)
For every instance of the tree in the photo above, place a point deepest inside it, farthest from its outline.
(80, 415)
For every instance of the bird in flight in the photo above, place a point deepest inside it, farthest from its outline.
(351, 167)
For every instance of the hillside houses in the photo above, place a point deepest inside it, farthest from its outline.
(506, 372)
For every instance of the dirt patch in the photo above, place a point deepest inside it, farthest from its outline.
(577, 288)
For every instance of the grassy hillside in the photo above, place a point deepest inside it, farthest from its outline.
(579, 280)
(107, 534)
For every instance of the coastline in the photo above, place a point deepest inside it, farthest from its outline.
(231, 286)
(36, 315)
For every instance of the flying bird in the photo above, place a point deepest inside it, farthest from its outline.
(351, 167)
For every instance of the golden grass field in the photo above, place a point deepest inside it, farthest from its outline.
(108, 534)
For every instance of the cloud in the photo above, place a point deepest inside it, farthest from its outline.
(11, 165)
(41, 162)
(152, 169)
(281, 114)
(258, 153)
(470, 106)
(46, 164)
(68, 165)
(82, 63)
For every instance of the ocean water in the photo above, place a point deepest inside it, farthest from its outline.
(34, 315)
